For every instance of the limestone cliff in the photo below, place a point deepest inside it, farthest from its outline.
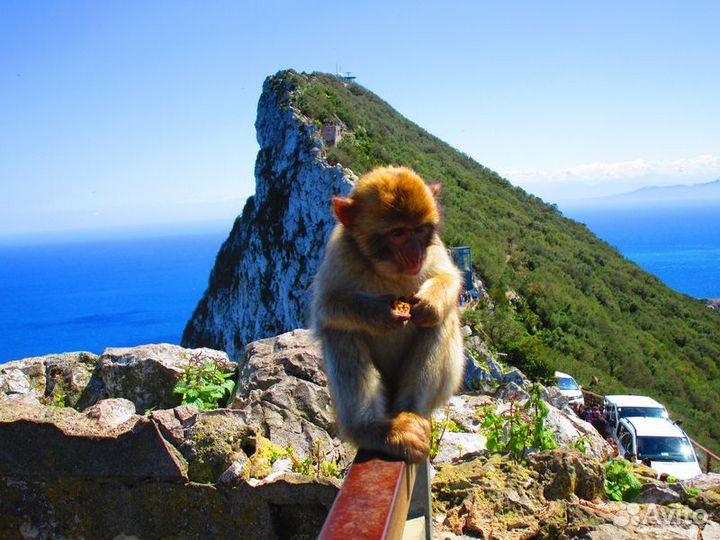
(259, 285)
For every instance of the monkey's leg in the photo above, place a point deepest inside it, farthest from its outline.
(431, 371)
(360, 396)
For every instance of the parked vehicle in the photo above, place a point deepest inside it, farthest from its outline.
(617, 407)
(660, 443)
(569, 388)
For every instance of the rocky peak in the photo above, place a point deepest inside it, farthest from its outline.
(259, 285)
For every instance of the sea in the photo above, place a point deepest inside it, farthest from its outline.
(121, 289)
(681, 246)
(89, 293)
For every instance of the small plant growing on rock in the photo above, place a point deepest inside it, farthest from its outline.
(621, 484)
(581, 444)
(315, 464)
(520, 428)
(438, 432)
(206, 383)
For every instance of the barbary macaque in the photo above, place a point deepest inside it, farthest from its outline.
(388, 368)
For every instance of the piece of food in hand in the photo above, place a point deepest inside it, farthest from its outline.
(401, 307)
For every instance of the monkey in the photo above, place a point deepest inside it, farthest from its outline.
(387, 369)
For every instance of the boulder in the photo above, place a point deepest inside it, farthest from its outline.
(147, 375)
(570, 431)
(51, 442)
(512, 392)
(63, 380)
(287, 508)
(552, 395)
(110, 413)
(283, 391)
(661, 493)
(705, 482)
(567, 473)
(72, 380)
(215, 441)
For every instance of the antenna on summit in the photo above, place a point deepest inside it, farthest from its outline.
(343, 76)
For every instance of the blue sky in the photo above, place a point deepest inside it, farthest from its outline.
(124, 113)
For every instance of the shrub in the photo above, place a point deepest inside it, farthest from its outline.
(621, 484)
(205, 384)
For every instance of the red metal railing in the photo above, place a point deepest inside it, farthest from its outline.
(375, 499)
(591, 398)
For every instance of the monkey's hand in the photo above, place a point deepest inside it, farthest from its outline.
(381, 314)
(409, 437)
(426, 310)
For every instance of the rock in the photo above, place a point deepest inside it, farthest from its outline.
(64, 380)
(512, 391)
(110, 413)
(565, 473)
(476, 373)
(289, 507)
(147, 375)
(455, 445)
(23, 376)
(259, 285)
(515, 376)
(72, 380)
(552, 395)
(236, 473)
(463, 410)
(711, 531)
(570, 430)
(661, 493)
(173, 422)
(492, 497)
(46, 442)
(283, 390)
(214, 442)
(466, 331)
(705, 482)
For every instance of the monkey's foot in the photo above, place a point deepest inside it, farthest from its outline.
(409, 437)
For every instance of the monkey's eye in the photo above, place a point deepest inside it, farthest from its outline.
(397, 233)
(423, 229)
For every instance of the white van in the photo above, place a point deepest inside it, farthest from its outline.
(661, 444)
(617, 407)
(569, 388)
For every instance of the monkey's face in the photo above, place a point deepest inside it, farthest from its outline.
(392, 216)
(402, 249)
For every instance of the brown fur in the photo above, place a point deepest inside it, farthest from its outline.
(387, 370)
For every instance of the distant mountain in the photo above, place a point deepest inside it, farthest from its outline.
(683, 194)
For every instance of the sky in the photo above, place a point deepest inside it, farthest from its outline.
(125, 113)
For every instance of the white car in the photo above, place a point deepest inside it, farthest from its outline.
(617, 407)
(661, 444)
(569, 388)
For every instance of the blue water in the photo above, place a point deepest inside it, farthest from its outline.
(679, 245)
(121, 292)
(92, 294)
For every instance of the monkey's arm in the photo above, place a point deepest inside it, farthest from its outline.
(358, 311)
(438, 294)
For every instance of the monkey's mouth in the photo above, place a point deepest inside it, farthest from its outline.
(413, 269)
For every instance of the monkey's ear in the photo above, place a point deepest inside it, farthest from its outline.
(343, 210)
(435, 189)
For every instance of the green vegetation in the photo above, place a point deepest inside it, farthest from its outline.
(205, 384)
(317, 464)
(582, 444)
(439, 428)
(621, 483)
(562, 297)
(519, 428)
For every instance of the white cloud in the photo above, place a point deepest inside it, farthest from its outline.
(705, 166)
